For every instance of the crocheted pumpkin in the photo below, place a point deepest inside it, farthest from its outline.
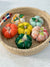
(18, 18)
(23, 41)
(24, 28)
(39, 33)
(10, 30)
(36, 21)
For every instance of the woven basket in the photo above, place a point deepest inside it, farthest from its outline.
(36, 46)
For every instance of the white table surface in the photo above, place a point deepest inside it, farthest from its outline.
(8, 59)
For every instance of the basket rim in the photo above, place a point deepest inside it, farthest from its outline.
(45, 13)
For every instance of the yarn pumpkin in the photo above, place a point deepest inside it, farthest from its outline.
(18, 18)
(23, 41)
(24, 28)
(39, 33)
(36, 21)
(10, 30)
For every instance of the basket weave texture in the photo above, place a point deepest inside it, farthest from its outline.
(36, 46)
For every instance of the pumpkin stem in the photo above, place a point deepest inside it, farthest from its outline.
(24, 38)
(36, 20)
(25, 27)
(8, 28)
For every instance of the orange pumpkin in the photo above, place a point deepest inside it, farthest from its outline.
(10, 30)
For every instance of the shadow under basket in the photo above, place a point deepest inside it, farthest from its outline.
(36, 46)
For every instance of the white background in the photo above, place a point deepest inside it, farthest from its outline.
(41, 59)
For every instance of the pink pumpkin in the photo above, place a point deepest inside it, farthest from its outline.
(39, 33)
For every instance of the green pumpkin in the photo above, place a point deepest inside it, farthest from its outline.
(23, 41)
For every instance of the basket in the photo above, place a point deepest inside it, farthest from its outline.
(36, 46)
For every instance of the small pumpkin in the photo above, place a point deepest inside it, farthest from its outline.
(39, 33)
(23, 41)
(36, 21)
(10, 30)
(18, 18)
(24, 28)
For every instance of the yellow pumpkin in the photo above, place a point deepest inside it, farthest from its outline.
(24, 27)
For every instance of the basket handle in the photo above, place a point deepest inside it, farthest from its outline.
(48, 18)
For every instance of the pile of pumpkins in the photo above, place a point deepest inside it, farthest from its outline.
(25, 29)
